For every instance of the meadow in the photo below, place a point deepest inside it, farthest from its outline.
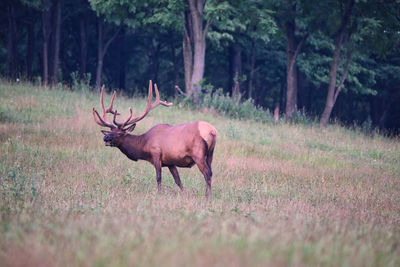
(283, 195)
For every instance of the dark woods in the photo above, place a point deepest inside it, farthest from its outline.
(334, 59)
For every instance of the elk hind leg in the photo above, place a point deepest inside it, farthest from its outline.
(175, 174)
(206, 171)
(210, 158)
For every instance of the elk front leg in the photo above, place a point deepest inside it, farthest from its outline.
(175, 174)
(157, 165)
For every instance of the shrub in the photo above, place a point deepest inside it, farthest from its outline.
(232, 107)
(300, 116)
(80, 84)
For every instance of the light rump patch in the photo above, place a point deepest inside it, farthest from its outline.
(207, 132)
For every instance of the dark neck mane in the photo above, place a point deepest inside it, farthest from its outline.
(133, 146)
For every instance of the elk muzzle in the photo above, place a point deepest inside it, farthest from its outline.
(108, 140)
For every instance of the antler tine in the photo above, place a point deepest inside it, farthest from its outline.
(122, 125)
(150, 106)
(158, 101)
(102, 121)
(109, 109)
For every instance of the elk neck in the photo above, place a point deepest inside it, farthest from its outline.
(132, 146)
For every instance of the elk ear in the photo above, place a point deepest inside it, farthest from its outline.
(105, 132)
(130, 128)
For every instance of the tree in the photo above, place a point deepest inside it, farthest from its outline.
(243, 52)
(129, 13)
(30, 24)
(11, 42)
(333, 90)
(293, 49)
(244, 32)
(56, 40)
(44, 6)
(297, 20)
(102, 49)
(197, 16)
(194, 45)
(357, 22)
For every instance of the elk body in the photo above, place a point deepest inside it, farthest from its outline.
(163, 145)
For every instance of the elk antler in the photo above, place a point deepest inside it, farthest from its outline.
(122, 125)
(103, 121)
(149, 106)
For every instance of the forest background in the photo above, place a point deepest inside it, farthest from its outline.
(309, 60)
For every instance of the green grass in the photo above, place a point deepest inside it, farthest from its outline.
(282, 194)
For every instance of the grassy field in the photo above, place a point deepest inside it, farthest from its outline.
(284, 195)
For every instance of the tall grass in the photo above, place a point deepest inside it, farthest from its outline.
(283, 195)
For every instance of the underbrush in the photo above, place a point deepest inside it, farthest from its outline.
(233, 107)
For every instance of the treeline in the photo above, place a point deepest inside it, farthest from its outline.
(328, 59)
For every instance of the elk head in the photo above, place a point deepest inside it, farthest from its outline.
(119, 130)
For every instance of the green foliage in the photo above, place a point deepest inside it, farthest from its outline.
(120, 12)
(232, 107)
(230, 25)
(149, 46)
(37, 4)
(315, 62)
(78, 84)
(167, 14)
(300, 116)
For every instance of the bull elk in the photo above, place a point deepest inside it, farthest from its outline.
(163, 145)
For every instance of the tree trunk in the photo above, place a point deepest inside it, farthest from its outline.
(154, 52)
(188, 52)
(83, 45)
(46, 36)
(198, 65)
(252, 70)
(198, 39)
(121, 60)
(236, 69)
(101, 50)
(100, 55)
(175, 63)
(302, 89)
(292, 52)
(30, 49)
(11, 68)
(276, 113)
(57, 31)
(291, 71)
(385, 106)
(333, 92)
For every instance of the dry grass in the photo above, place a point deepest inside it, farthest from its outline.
(283, 195)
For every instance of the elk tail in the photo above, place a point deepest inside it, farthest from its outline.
(209, 135)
